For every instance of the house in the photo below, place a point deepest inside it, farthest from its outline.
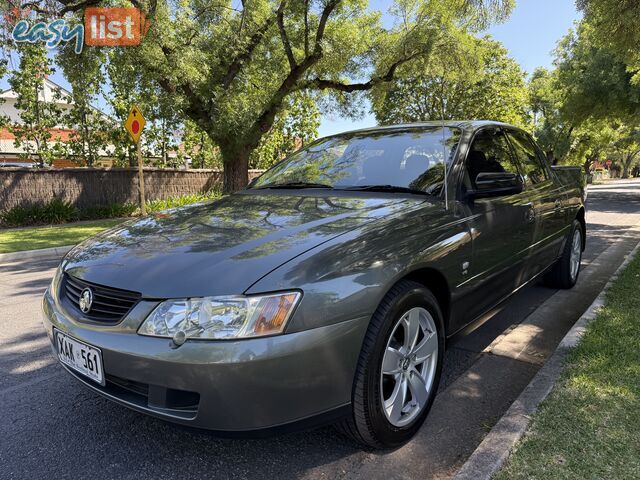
(9, 152)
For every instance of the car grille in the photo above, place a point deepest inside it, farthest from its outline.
(110, 305)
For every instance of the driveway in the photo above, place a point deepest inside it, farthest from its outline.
(53, 427)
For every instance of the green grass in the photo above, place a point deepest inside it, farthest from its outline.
(19, 239)
(589, 427)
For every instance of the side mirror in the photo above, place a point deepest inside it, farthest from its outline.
(492, 184)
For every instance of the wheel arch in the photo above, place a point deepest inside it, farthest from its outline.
(436, 282)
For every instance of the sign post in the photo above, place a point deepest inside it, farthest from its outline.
(134, 124)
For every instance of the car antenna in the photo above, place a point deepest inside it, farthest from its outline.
(444, 160)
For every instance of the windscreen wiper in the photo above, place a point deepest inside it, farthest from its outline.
(387, 188)
(293, 185)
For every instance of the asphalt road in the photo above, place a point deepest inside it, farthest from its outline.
(52, 427)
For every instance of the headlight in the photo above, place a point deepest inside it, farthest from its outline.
(55, 282)
(221, 317)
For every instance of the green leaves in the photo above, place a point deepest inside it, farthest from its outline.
(234, 68)
(595, 81)
(89, 127)
(585, 108)
(39, 115)
(615, 27)
(464, 78)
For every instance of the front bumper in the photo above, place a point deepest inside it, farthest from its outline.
(241, 385)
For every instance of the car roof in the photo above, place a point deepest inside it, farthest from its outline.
(461, 124)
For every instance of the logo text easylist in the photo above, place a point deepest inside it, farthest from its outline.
(102, 27)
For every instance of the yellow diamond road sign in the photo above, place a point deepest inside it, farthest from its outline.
(135, 123)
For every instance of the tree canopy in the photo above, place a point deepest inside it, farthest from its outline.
(465, 78)
(587, 108)
(615, 27)
(232, 70)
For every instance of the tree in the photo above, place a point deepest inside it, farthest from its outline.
(4, 120)
(615, 26)
(90, 127)
(125, 91)
(38, 115)
(591, 141)
(296, 125)
(130, 86)
(466, 78)
(198, 146)
(578, 107)
(163, 123)
(596, 84)
(552, 131)
(627, 148)
(232, 68)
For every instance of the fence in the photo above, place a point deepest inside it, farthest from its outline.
(88, 187)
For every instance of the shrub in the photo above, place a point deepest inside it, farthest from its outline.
(113, 210)
(55, 211)
(59, 211)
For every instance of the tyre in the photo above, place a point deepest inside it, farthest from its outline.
(399, 368)
(565, 272)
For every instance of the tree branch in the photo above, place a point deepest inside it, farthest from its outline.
(292, 81)
(322, 25)
(324, 84)
(283, 35)
(306, 28)
(69, 6)
(238, 62)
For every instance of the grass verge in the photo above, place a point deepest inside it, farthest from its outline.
(589, 427)
(20, 239)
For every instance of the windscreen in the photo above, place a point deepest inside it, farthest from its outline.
(412, 158)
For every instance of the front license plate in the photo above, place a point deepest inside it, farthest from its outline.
(79, 356)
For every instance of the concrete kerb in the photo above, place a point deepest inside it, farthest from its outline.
(494, 450)
(44, 252)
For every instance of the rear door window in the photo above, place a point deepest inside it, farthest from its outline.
(533, 171)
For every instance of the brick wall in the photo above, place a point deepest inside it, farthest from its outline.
(86, 187)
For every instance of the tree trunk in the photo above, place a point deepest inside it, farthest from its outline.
(235, 158)
(236, 172)
(625, 170)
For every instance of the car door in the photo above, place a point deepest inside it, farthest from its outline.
(501, 226)
(547, 199)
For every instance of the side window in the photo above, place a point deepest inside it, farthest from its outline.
(489, 153)
(533, 171)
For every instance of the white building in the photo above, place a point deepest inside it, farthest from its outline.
(51, 92)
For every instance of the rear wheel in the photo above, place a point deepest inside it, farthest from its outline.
(565, 272)
(399, 368)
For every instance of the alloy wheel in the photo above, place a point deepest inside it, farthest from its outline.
(409, 366)
(576, 254)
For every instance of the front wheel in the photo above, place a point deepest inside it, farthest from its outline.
(399, 368)
(564, 274)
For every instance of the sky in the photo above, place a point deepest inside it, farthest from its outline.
(530, 35)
